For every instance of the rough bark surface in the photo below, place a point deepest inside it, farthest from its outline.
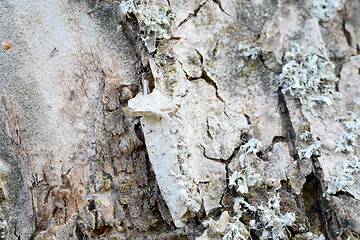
(180, 119)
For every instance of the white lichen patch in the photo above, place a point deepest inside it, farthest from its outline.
(349, 141)
(313, 236)
(244, 177)
(308, 77)
(154, 19)
(309, 236)
(346, 176)
(311, 150)
(271, 222)
(248, 51)
(237, 231)
(326, 10)
(248, 54)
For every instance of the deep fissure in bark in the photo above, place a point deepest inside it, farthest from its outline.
(288, 128)
(311, 197)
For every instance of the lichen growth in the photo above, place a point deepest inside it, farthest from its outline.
(153, 23)
(245, 177)
(349, 141)
(273, 221)
(3, 229)
(313, 236)
(265, 218)
(236, 231)
(249, 54)
(308, 77)
(325, 10)
(248, 51)
(269, 221)
(345, 176)
(189, 189)
(189, 192)
(311, 150)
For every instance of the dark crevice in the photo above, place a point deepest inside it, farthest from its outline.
(344, 194)
(215, 49)
(221, 160)
(312, 202)
(194, 14)
(253, 235)
(18, 236)
(207, 130)
(346, 34)
(79, 234)
(291, 230)
(182, 67)
(247, 119)
(139, 132)
(262, 60)
(278, 139)
(201, 57)
(218, 2)
(263, 155)
(288, 128)
(207, 79)
(91, 205)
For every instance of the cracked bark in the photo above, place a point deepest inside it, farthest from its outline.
(73, 166)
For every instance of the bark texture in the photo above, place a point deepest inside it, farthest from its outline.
(180, 119)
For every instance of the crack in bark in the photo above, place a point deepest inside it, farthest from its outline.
(200, 55)
(287, 125)
(208, 130)
(346, 33)
(210, 81)
(325, 212)
(222, 160)
(262, 60)
(218, 2)
(263, 155)
(205, 77)
(194, 14)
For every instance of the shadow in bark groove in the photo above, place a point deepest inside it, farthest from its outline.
(311, 195)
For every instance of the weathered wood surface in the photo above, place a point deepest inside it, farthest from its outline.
(180, 119)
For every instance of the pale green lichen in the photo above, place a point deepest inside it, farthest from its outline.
(248, 53)
(345, 177)
(308, 77)
(154, 20)
(326, 10)
(271, 222)
(3, 229)
(236, 231)
(245, 177)
(349, 141)
(305, 136)
(311, 150)
(313, 236)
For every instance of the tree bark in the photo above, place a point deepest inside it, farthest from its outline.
(181, 119)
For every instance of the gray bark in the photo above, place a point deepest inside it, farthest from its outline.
(179, 119)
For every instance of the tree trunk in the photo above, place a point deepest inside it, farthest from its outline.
(183, 119)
